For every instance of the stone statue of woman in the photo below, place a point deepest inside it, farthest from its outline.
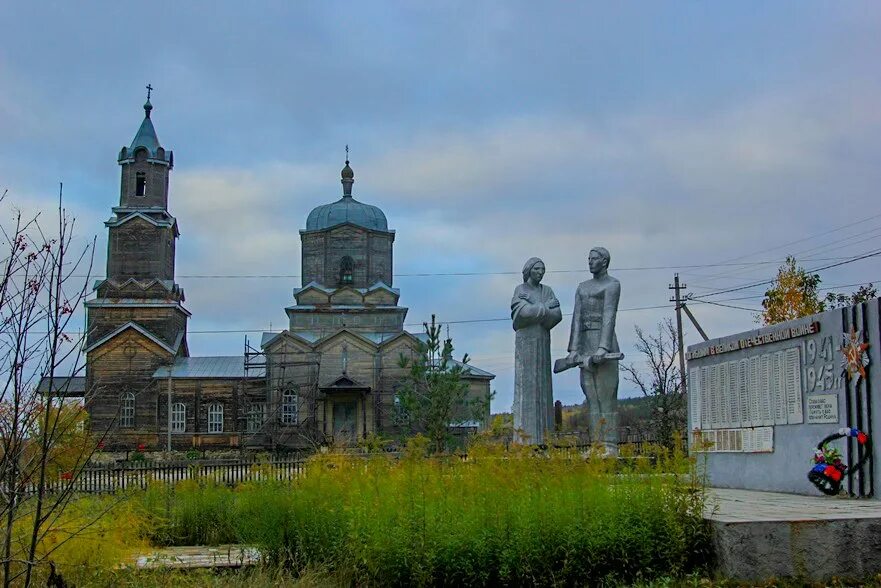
(535, 311)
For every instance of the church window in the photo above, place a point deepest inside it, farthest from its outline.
(255, 417)
(289, 407)
(140, 184)
(347, 266)
(127, 410)
(215, 418)
(178, 417)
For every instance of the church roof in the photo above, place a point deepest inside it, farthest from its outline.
(346, 210)
(218, 367)
(378, 338)
(473, 371)
(146, 135)
(146, 138)
(135, 326)
(64, 386)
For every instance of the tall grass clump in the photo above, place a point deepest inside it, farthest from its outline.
(196, 512)
(499, 518)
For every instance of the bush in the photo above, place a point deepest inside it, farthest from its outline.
(501, 518)
(195, 513)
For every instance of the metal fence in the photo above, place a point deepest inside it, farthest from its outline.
(98, 479)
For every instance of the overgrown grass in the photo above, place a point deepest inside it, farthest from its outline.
(502, 518)
(89, 536)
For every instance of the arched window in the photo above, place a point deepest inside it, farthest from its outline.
(127, 410)
(347, 266)
(289, 407)
(215, 418)
(255, 417)
(140, 184)
(178, 417)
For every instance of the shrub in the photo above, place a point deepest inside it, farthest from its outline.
(501, 518)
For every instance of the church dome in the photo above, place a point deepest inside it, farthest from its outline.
(346, 210)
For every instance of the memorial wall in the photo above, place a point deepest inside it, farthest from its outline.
(760, 401)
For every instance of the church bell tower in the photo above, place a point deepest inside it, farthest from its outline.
(137, 321)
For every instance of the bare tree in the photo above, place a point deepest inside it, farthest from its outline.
(661, 383)
(41, 429)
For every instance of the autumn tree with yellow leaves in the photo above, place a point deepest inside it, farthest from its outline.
(793, 295)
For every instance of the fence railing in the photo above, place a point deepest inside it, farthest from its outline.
(99, 479)
(121, 476)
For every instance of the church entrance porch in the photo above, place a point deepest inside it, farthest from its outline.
(345, 421)
(346, 418)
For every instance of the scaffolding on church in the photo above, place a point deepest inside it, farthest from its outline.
(283, 411)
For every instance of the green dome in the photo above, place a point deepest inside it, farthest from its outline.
(346, 210)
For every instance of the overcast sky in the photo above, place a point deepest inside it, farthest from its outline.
(673, 134)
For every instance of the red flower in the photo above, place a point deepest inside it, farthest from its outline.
(862, 438)
(833, 473)
(67, 475)
(141, 447)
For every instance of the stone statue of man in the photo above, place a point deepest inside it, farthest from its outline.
(535, 311)
(593, 343)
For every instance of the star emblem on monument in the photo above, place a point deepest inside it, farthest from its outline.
(853, 349)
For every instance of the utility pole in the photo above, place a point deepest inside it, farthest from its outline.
(169, 409)
(677, 287)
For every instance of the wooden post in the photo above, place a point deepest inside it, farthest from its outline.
(169, 407)
(677, 287)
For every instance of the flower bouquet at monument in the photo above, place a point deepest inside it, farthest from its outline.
(828, 469)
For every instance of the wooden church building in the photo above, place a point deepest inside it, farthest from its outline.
(330, 377)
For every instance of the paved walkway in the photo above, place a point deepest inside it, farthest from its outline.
(726, 505)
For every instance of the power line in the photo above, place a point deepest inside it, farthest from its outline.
(454, 322)
(493, 273)
(851, 240)
(500, 319)
(808, 238)
(826, 247)
(771, 281)
(728, 305)
(826, 289)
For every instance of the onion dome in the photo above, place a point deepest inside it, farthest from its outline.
(346, 210)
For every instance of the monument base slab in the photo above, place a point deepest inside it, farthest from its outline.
(763, 535)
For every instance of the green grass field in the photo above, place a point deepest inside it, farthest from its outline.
(499, 518)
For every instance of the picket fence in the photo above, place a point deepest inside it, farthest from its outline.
(100, 479)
